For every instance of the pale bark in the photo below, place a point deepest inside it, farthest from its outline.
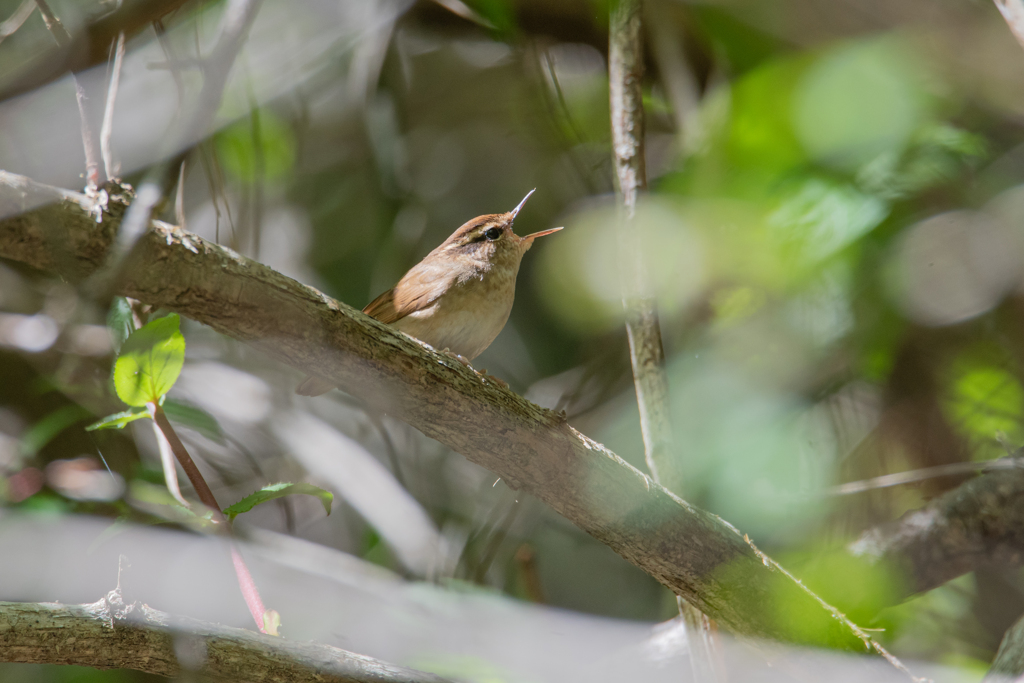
(111, 634)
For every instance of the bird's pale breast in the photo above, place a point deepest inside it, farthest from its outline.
(467, 317)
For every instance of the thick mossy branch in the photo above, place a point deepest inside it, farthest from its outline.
(111, 634)
(692, 552)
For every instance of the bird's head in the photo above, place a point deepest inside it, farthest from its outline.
(490, 237)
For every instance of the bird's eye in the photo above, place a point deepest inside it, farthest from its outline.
(493, 233)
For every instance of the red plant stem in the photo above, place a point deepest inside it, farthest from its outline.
(187, 464)
(249, 591)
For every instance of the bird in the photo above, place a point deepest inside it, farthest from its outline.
(458, 298)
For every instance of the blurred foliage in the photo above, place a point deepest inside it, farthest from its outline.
(818, 329)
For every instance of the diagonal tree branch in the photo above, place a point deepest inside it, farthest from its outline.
(980, 522)
(692, 552)
(109, 633)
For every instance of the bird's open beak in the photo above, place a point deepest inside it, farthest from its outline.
(516, 210)
(531, 237)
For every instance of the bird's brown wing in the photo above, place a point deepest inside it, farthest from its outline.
(420, 288)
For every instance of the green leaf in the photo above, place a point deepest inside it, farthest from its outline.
(119, 420)
(42, 432)
(120, 322)
(194, 418)
(260, 147)
(982, 401)
(274, 491)
(150, 362)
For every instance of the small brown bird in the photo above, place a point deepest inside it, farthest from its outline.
(460, 295)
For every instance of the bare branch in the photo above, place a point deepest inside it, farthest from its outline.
(91, 46)
(980, 522)
(89, 141)
(923, 474)
(60, 34)
(109, 633)
(11, 25)
(692, 552)
(110, 165)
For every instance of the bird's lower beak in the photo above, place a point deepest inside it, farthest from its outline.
(531, 237)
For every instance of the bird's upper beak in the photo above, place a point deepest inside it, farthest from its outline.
(527, 242)
(516, 210)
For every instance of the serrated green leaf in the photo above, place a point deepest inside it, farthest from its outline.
(194, 418)
(274, 491)
(150, 362)
(119, 420)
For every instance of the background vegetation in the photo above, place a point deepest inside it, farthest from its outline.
(834, 230)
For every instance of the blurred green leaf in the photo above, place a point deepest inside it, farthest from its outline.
(859, 101)
(194, 418)
(760, 133)
(815, 217)
(937, 154)
(119, 420)
(982, 402)
(257, 147)
(120, 321)
(274, 491)
(150, 362)
(42, 432)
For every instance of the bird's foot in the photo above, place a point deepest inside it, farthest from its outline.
(462, 359)
(497, 380)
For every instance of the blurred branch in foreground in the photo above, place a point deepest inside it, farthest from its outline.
(1009, 661)
(110, 633)
(692, 552)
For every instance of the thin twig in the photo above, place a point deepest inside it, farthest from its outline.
(259, 170)
(179, 197)
(173, 64)
(923, 474)
(389, 445)
(167, 460)
(676, 75)
(60, 34)
(235, 22)
(245, 582)
(89, 142)
(185, 460)
(14, 22)
(110, 165)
